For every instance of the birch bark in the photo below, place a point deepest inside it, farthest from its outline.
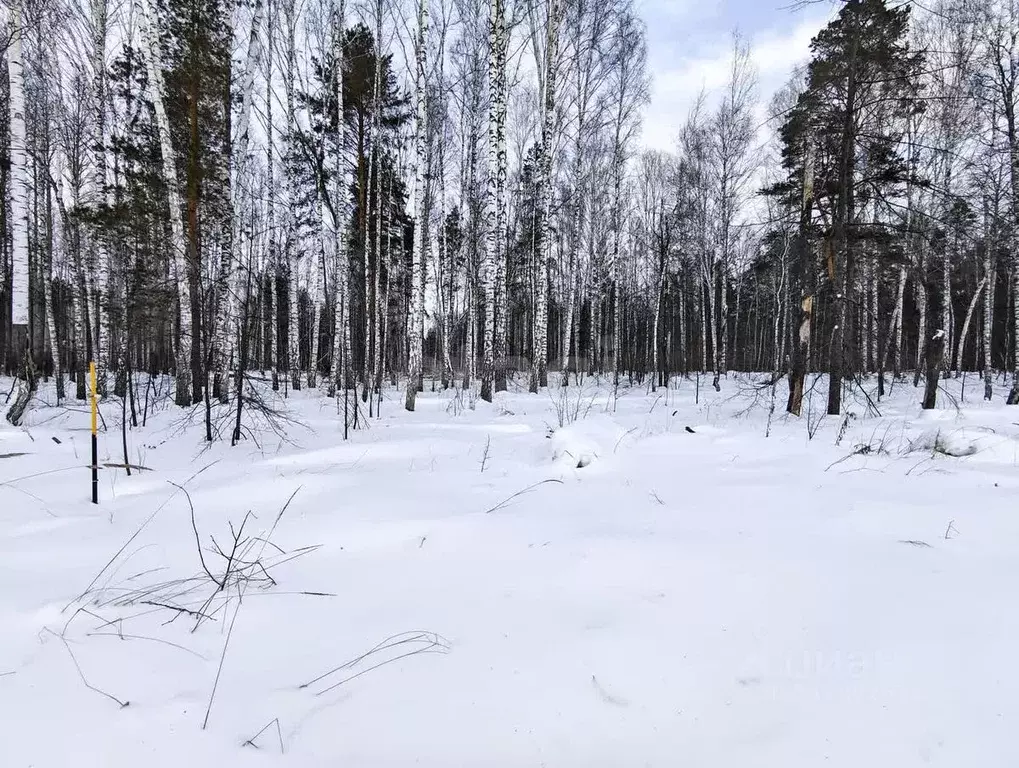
(416, 319)
(153, 65)
(231, 281)
(496, 31)
(341, 269)
(539, 370)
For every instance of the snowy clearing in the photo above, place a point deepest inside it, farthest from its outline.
(657, 583)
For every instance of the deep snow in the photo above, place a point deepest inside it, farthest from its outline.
(552, 580)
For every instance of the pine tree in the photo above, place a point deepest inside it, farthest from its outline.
(860, 60)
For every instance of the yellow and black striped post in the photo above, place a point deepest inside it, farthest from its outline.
(95, 445)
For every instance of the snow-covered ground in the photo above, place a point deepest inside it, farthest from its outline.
(658, 582)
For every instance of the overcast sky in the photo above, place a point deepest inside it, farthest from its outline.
(690, 42)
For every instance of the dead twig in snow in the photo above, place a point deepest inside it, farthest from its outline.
(198, 539)
(393, 641)
(279, 734)
(134, 536)
(177, 608)
(951, 527)
(81, 674)
(122, 636)
(222, 658)
(484, 456)
(621, 439)
(528, 489)
(427, 642)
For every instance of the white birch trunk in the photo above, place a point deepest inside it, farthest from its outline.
(443, 270)
(103, 292)
(20, 180)
(316, 275)
(583, 71)
(291, 253)
(539, 375)
(947, 311)
(709, 285)
(897, 333)
(921, 303)
(496, 32)
(56, 247)
(415, 322)
(153, 65)
(294, 315)
(872, 318)
(381, 297)
(659, 289)
(988, 329)
(79, 294)
(231, 280)
(471, 340)
(341, 269)
(721, 336)
(270, 152)
(617, 202)
(1013, 153)
(373, 340)
(965, 325)
(501, 162)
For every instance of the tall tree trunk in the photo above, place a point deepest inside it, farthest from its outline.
(270, 202)
(21, 195)
(316, 268)
(965, 325)
(230, 282)
(841, 256)
(338, 373)
(920, 299)
(103, 291)
(490, 269)
(1013, 155)
(805, 277)
(292, 256)
(539, 373)
(988, 329)
(935, 358)
(415, 328)
(501, 173)
(154, 69)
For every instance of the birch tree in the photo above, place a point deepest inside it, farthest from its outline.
(230, 281)
(153, 64)
(543, 249)
(1000, 38)
(99, 14)
(339, 360)
(21, 194)
(416, 320)
(732, 135)
(629, 91)
(496, 147)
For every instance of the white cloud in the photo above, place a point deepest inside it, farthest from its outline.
(679, 80)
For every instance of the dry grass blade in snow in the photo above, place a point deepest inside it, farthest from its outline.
(391, 649)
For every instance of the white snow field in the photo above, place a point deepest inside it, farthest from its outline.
(448, 588)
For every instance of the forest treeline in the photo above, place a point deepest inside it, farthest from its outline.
(346, 193)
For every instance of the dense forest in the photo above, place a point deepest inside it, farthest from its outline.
(360, 194)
